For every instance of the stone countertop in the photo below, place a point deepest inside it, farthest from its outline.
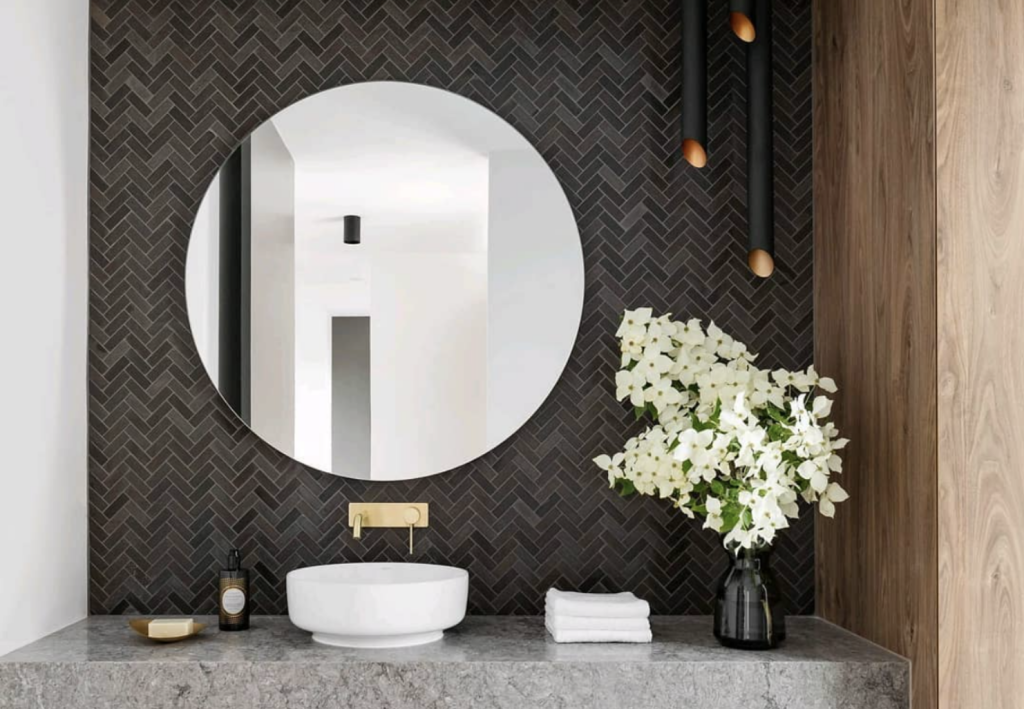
(506, 661)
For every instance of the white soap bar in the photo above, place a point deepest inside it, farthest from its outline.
(170, 627)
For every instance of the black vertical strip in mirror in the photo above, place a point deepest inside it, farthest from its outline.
(760, 156)
(233, 271)
(742, 19)
(695, 82)
(245, 290)
(229, 379)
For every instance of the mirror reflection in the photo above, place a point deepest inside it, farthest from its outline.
(384, 281)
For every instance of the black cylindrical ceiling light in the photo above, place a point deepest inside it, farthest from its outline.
(353, 229)
(760, 173)
(695, 82)
(741, 19)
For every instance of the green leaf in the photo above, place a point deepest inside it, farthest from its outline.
(776, 413)
(730, 516)
(699, 425)
(638, 412)
(716, 414)
(624, 487)
(792, 458)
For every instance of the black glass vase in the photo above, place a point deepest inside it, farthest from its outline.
(748, 608)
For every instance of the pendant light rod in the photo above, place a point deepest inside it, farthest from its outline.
(760, 154)
(742, 19)
(695, 82)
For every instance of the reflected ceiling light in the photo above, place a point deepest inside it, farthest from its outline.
(695, 82)
(353, 229)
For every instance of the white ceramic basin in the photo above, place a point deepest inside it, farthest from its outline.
(377, 605)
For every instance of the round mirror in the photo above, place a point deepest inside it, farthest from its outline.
(384, 281)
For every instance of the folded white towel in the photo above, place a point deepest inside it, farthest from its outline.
(576, 622)
(596, 605)
(599, 636)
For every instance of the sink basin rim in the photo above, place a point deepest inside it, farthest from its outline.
(316, 574)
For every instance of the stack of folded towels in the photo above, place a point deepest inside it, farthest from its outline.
(597, 617)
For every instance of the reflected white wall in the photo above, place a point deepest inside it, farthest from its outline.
(535, 286)
(428, 337)
(202, 274)
(420, 275)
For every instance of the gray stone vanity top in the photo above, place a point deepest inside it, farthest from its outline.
(506, 661)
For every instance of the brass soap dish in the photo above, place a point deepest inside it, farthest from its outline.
(141, 626)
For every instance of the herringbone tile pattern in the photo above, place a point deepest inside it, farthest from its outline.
(175, 480)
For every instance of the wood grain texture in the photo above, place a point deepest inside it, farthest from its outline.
(875, 328)
(980, 149)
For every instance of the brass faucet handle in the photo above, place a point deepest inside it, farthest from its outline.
(411, 516)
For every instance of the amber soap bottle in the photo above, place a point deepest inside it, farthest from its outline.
(233, 598)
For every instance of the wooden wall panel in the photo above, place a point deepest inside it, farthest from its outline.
(875, 310)
(980, 149)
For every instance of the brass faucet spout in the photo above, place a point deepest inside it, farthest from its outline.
(357, 527)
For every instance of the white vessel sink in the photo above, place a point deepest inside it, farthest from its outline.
(377, 605)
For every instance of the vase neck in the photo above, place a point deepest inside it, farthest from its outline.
(751, 558)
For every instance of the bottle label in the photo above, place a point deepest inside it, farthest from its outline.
(232, 601)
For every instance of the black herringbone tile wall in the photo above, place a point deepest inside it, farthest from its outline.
(175, 479)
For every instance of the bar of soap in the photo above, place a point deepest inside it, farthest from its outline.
(170, 627)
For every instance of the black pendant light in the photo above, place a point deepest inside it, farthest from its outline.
(760, 173)
(353, 229)
(695, 82)
(741, 19)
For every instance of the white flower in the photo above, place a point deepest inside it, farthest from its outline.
(821, 407)
(693, 442)
(653, 365)
(629, 384)
(690, 333)
(663, 395)
(718, 342)
(633, 319)
(612, 465)
(833, 493)
(659, 339)
(714, 519)
(809, 470)
(827, 384)
(739, 537)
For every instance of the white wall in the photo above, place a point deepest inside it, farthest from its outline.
(534, 262)
(202, 274)
(43, 292)
(272, 316)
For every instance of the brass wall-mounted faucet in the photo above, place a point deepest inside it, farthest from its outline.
(394, 515)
